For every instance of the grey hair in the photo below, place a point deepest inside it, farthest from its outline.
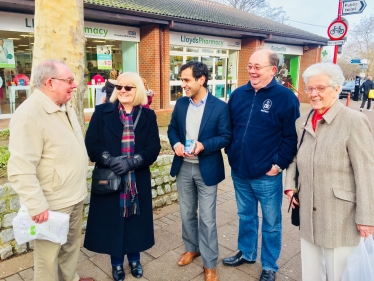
(330, 69)
(134, 79)
(273, 56)
(46, 69)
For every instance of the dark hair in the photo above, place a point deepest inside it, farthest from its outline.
(198, 69)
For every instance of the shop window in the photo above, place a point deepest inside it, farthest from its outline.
(207, 51)
(175, 64)
(192, 50)
(209, 62)
(191, 58)
(176, 48)
(220, 91)
(224, 52)
(175, 92)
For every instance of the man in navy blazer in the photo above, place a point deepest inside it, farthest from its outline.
(203, 120)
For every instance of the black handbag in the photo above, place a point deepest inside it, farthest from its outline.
(104, 180)
(295, 213)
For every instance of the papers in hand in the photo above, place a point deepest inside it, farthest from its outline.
(55, 229)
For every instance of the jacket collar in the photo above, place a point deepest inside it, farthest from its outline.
(333, 111)
(272, 83)
(46, 103)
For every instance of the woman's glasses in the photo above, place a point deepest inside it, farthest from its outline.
(127, 88)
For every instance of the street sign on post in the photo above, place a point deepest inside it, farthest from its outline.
(337, 30)
(355, 61)
(335, 42)
(351, 7)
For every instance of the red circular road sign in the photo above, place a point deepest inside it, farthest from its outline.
(337, 30)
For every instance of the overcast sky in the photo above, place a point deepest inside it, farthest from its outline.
(318, 12)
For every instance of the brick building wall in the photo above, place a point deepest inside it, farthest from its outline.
(149, 59)
(311, 56)
(249, 45)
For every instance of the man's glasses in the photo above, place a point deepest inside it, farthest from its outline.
(127, 88)
(256, 67)
(67, 80)
(319, 89)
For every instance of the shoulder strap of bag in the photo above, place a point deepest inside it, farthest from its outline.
(137, 117)
(301, 141)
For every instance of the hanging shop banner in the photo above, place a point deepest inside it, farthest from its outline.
(198, 40)
(25, 23)
(7, 53)
(104, 57)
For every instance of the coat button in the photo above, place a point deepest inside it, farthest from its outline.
(314, 209)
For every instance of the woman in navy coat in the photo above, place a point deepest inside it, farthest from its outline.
(121, 223)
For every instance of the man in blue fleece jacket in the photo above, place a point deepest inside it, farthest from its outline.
(263, 115)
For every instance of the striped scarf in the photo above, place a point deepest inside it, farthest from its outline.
(129, 202)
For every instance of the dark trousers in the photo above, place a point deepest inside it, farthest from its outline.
(119, 261)
(364, 98)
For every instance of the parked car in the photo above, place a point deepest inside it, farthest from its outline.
(349, 88)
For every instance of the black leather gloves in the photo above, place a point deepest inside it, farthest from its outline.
(121, 165)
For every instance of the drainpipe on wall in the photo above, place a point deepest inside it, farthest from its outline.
(161, 33)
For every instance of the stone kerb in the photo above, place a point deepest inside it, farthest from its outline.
(164, 192)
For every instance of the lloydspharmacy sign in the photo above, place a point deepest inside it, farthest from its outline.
(197, 40)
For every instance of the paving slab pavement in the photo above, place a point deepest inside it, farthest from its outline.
(160, 262)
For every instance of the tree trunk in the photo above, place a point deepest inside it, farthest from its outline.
(59, 34)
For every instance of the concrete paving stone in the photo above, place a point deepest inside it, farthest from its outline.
(165, 268)
(174, 228)
(88, 253)
(89, 269)
(281, 277)
(14, 265)
(292, 268)
(164, 242)
(14, 277)
(228, 207)
(225, 186)
(165, 210)
(165, 220)
(228, 237)
(224, 218)
(159, 223)
(156, 227)
(82, 256)
(219, 191)
(27, 275)
(173, 217)
(253, 270)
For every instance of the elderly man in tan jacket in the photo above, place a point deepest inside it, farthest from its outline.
(48, 166)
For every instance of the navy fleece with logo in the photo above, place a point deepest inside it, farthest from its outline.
(264, 130)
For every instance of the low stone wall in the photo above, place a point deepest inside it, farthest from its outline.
(164, 191)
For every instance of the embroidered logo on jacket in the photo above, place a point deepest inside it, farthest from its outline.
(266, 106)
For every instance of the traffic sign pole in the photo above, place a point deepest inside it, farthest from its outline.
(339, 19)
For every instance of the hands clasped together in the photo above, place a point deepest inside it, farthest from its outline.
(122, 164)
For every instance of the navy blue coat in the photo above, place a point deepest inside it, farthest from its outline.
(214, 134)
(107, 232)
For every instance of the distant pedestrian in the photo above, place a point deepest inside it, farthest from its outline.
(204, 119)
(264, 142)
(48, 166)
(367, 86)
(149, 93)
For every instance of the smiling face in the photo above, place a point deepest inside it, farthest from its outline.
(192, 86)
(126, 98)
(262, 77)
(321, 99)
(59, 88)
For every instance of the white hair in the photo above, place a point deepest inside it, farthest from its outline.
(332, 70)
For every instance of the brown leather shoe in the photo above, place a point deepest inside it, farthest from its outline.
(210, 274)
(188, 257)
(86, 279)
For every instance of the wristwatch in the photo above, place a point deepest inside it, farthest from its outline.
(278, 168)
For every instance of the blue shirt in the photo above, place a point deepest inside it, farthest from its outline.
(203, 101)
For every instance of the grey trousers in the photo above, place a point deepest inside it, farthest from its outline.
(198, 233)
